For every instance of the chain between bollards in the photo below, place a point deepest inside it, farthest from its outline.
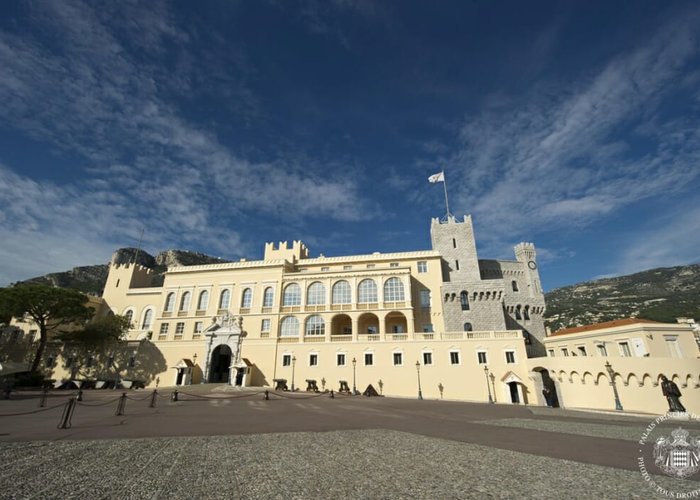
(65, 422)
(154, 398)
(121, 405)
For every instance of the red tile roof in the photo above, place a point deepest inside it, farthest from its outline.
(602, 326)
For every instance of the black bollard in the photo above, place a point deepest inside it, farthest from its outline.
(7, 391)
(173, 397)
(154, 398)
(267, 395)
(44, 395)
(121, 405)
(65, 422)
(79, 395)
(332, 395)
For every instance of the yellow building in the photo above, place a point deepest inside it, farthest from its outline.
(590, 364)
(440, 317)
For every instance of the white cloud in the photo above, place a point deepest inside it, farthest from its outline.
(561, 156)
(94, 92)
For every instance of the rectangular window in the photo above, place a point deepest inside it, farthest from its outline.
(564, 351)
(394, 264)
(313, 359)
(340, 359)
(49, 362)
(198, 327)
(132, 362)
(510, 357)
(324, 269)
(454, 357)
(179, 329)
(602, 350)
(428, 328)
(398, 359)
(347, 268)
(369, 359)
(265, 326)
(582, 350)
(286, 359)
(551, 353)
(625, 349)
(370, 266)
(164, 328)
(372, 330)
(674, 349)
(482, 357)
(425, 298)
(422, 266)
(427, 358)
(456, 265)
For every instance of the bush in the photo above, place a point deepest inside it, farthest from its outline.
(29, 379)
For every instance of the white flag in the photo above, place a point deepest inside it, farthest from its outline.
(437, 177)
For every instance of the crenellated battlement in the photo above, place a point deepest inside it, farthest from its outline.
(297, 251)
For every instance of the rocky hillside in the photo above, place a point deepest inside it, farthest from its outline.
(91, 279)
(661, 294)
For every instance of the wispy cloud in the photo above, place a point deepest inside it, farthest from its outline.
(85, 84)
(560, 156)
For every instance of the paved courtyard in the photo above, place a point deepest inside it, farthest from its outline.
(216, 443)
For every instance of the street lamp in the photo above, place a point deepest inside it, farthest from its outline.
(611, 372)
(354, 389)
(488, 387)
(493, 386)
(294, 362)
(420, 392)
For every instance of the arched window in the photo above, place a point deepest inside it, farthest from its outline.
(316, 294)
(247, 298)
(467, 327)
(341, 292)
(292, 295)
(225, 299)
(203, 301)
(526, 312)
(185, 301)
(517, 312)
(393, 290)
(170, 302)
(515, 285)
(464, 300)
(289, 327)
(268, 297)
(315, 326)
(129, 315)
(147, 319)
(367, 291)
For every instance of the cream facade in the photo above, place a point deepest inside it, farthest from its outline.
(441, 316)
(584, 362)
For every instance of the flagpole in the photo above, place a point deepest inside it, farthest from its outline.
(444, 185)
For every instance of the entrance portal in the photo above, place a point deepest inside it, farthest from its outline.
(514, 397)
(550, 390)
(220, 366)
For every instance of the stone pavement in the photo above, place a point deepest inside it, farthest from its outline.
(221, 444)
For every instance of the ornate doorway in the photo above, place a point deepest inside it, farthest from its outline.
(220, 364)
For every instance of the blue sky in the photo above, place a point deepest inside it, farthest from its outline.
(217, 126)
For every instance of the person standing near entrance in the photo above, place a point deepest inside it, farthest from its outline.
(672, 393)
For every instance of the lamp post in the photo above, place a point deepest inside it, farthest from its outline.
(611, 372)
(354, 389)
(493, 387)
(420, 392)
(488, 387)
(294, 362)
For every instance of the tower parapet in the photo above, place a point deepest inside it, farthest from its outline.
(297, 252)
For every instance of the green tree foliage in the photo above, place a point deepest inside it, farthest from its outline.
(48, 307)
(102, 331)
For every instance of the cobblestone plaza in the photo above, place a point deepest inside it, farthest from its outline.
(238, 445)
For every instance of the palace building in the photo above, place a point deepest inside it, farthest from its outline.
(440, 321)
